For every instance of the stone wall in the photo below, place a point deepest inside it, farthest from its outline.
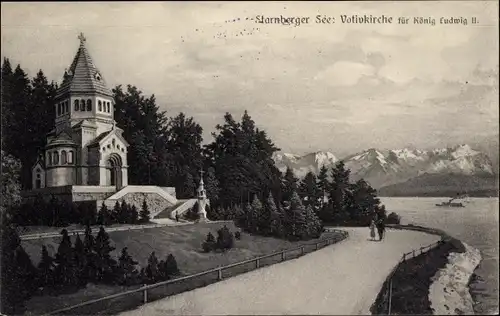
(154, 201)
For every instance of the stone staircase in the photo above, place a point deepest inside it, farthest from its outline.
(180, 207)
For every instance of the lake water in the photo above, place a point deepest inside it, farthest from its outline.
(477, 224)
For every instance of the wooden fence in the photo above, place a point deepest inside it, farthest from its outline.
(132, 299)
(387, 289)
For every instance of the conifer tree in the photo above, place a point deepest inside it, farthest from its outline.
(81, 263)
(104, 216)
(105, 264)
(254, 214)
(13, 279)
(144, 214)
(275, 219)
(88, 248)
(152, 272)
(289, 184)
(127, 272)
(297, 221)
(134, 215)
(66, 273)
(125, 213)
(309, 191)
(171, 266)
(46, 269)
(116, 213)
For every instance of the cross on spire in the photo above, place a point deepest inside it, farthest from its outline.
(82, 39)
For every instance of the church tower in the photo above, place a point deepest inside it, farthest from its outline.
(202, 199)
(84, 96)
(85, 147)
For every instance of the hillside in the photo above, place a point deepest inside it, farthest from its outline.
(444, 185)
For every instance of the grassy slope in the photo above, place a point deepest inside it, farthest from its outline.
(182, 241)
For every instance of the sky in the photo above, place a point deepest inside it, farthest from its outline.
(336, 87)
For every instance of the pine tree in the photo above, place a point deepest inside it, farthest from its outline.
(309, 191)
(105, 264)
(171, 266)
(254, 214)
(125, 213)
(144, 214)
(152, 271)
(275, 219)
(46, 269)
(134, 215)
(297, 220)
(127, 272)
(81, 263)
(66, 273)
(88, 248)
(116, 213)
(104, 216)
(289, 184)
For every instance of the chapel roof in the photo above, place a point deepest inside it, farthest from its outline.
(83, 76)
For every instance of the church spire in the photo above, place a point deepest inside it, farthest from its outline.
(83, 76)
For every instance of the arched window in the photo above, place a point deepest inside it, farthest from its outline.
(49, 158)
(100, 106)
(64, 157)
(66, 106)
(82, 105)
(109, 109)
(58, 109)
(56, 158)
(113, 142)
(70, 157)
(89, 105)
(38, 181)
(76, 105)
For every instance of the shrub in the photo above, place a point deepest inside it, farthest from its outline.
(237, 235)
(192, 213)
(393, 218)
(209, 244)
(225, 239)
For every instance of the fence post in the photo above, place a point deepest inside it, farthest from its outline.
(317, 245)
(220, 274)
(404, 257)
(302, 250)
(414, 253)
(145, 295)
(257, 263)
(283, 255)
(390, 297)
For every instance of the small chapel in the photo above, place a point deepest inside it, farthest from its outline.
(85, 157)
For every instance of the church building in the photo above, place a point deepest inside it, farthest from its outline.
(85, 147)
(85, 157)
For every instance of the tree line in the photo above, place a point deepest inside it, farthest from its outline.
(61, 213)
(72, 268)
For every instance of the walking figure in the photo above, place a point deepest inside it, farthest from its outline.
(372, 229)
(380, 228)
(176, 216)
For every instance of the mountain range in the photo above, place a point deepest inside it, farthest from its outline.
(382, 168)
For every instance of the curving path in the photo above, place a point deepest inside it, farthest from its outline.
(344, 278)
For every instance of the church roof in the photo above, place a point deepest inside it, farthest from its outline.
(99, 138)
(62, 139)
(83, 76)
(102, 136)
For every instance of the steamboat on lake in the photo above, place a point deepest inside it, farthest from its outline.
(458, 201)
